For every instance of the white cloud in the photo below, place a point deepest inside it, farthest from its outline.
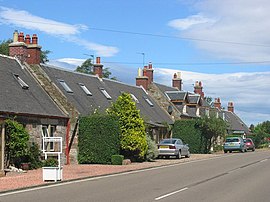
(24, 19)
(186, 23)
(242, 21)
(248, 91)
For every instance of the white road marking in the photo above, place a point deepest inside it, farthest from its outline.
(263, 160)
(169, 194)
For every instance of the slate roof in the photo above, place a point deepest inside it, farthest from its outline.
(193, 99)
(87, 103)
(14, 99)
(236, 124)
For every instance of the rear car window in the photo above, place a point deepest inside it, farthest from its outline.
(232, 140)
(167, 142)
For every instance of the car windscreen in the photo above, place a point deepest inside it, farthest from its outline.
(167, 141)
(232, 140)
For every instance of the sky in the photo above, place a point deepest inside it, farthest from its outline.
(223, 44)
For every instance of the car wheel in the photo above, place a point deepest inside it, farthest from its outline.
(188, 155)
(167, 157)
(253, 149)
(225, 151)
(242, 150)
(178, 156)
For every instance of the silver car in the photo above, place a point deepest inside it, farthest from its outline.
(173, 147)
(234, 144)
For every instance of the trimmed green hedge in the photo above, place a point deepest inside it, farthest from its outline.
(98, 139)
(190, 134)
(117, 159)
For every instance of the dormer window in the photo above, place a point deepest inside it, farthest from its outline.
(134, 98)
(105, 93)
(148, 101)
(65, 86)
(85, 89)
(21, 82)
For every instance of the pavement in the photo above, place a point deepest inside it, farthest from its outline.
(32, 178)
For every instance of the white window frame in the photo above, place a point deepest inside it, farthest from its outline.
(85, 89)
(21, 82)
(105, 93)
(48, 131)
(65, 86)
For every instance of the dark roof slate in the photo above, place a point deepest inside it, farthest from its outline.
(86, 104)
(15, 99)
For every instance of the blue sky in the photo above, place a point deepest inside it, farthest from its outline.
(224, 44)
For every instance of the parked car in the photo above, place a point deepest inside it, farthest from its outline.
(173, 147)
(250, 144)
(234, 144)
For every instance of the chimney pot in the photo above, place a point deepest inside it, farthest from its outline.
(97, 60)
(27, 39)
(150, 65)
(175, 76)
(34, 39)
(21, 37)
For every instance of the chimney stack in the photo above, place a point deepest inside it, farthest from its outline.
(142, 79)
(146, 78)
(98, 68)
(23, 49)
(198, 88)
(177, 81)
(230, 107)
(217, 103)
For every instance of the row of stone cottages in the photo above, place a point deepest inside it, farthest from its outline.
(49, 100)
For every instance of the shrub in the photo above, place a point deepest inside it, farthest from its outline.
(50, 162)
(133, 135)
(152, 152)
(98, 139)
(190, 134)
(117, 159)
(16, 147)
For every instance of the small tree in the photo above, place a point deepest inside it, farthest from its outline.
(4, 49)
(86, 67)
(16, 148)
(133, 134)
(211, 128)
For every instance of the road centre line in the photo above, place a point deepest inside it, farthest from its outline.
(172, 193)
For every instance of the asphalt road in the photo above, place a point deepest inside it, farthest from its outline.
(231, 177)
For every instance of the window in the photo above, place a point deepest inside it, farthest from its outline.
(134, 98)
(48, 131)
(105, 93)
(85, 89)
(148, 101)
(21, 82)
(65, 86)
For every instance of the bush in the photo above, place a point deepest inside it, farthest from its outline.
(33, 157)
(190, 134)
(152, 152)
(117, 159)
(50, 162)
(98, 139)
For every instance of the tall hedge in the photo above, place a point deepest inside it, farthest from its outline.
(190, 134)
(98, 139)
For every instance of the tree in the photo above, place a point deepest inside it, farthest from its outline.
(133, 135)
(262, 133)
(4, 50)
(211, 128)
(87, 68)
(16, 147)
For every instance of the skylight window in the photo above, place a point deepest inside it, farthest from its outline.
(105, 93)
(134, 98)
(148, 101)
(21, 82)
(65, 86)
(85, 89)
